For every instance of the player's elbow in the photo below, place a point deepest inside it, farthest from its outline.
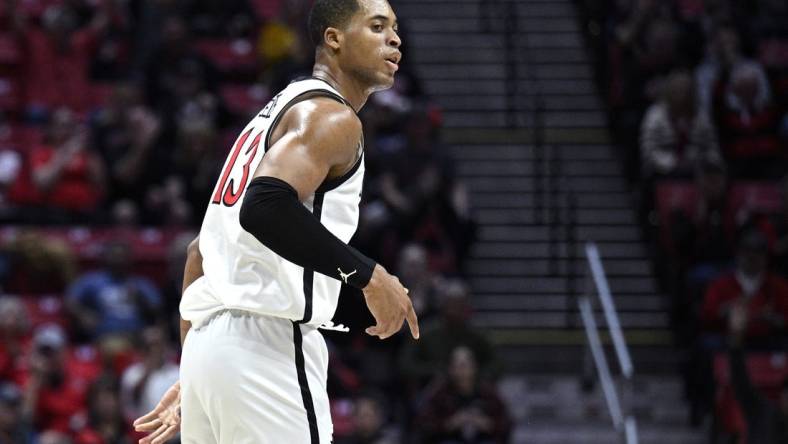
(261, 211)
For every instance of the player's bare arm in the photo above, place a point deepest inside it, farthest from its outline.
(191, 272)
(318, 140)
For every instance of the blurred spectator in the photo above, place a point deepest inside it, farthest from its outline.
(463, 408)
(230, 18)
(724, 53)
(54, 394)
(675, 134)
(370, 422)
(14, 428)
(765, 421)
(749, 122)
(125, 133)
(196, 162)
(58, 57)
(421, 360)
(14, 338)
(113, 303)
(67, 175)
(776, 227)
(414, 272)
(143, 383)
(106, 423)
(752, 284)
(38, 264)
(704, 241)
(54, 437)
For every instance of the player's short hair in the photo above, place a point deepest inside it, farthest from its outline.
(329, 14)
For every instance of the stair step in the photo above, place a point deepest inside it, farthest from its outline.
(580, 185)
(479, 71)
(475, 87)
(527, 152)
(496, 25)
(453, 51)
(540, 233)
(543, 267)
(468, 9)
(463, 119)
(558, 319)
(537, 302)
(521, 250)
(501, 284)
(525, 103)
(526, 201)
(583, 216)
(496, 167)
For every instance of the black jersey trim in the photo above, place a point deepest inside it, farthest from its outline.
(330, 184)
(303, 383)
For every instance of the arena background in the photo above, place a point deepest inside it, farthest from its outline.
(517, 131)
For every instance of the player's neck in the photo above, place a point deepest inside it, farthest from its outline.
(348, 87)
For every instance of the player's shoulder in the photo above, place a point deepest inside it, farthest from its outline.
(324, 114)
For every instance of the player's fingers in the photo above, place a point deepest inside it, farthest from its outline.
(168, 433)
(158, 432)
(148, 426)
(413, 322)
(150, 416)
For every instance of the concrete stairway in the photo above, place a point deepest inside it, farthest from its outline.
(555, 410)
(523, 270)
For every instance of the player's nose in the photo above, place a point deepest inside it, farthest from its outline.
(394, 40)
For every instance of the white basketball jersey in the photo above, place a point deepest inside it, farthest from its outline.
(242, 273)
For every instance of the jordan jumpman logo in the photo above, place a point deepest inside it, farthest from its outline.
(344, 276)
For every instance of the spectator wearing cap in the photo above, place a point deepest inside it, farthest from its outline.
(54, 394)
(14, 428)
(112, 303)
(763, 293)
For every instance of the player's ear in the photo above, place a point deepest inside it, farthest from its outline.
(332, 37)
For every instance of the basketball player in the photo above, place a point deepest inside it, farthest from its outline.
(265, 272)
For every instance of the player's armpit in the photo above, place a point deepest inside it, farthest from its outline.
(316, 140)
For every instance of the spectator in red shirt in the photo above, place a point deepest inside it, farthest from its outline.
(67, 175)
(58, 58)
(54, 395)
(764, 293)
(749, 121)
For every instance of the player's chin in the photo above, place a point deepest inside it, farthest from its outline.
(386, 80)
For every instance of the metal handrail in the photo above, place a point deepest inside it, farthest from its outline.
(623, 420)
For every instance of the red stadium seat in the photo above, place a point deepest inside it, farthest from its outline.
(266, 9)
(672, 196)
(244, 99)
(774, 53)
(45, 310)
(10, 53)
(760, 197)
(10, 95)
(229, 56)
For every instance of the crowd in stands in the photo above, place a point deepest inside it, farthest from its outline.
(697, 93)
(115, 118)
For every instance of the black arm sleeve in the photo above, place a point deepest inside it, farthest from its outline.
(272, 213)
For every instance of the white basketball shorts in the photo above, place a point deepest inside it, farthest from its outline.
(252, 379)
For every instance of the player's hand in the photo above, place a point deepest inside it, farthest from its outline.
(164, 421)
(389, 303)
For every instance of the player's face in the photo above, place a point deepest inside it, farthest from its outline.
(371, 44)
